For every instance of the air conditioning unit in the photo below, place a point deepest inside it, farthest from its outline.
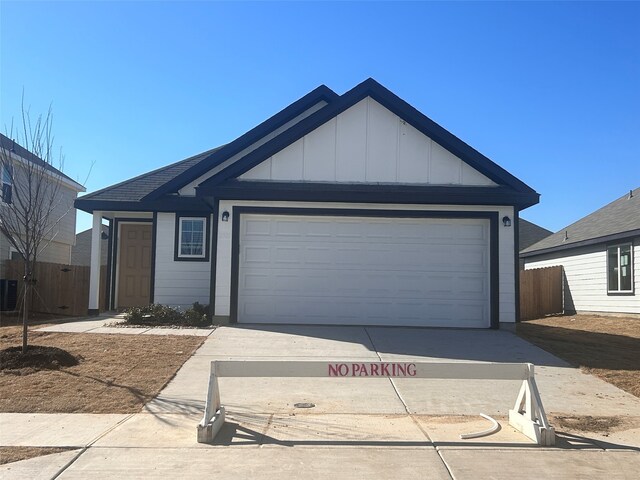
(8, 295)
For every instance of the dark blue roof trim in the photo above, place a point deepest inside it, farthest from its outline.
(396, 105)
(363, 193)
(322, 93)
(172, 203)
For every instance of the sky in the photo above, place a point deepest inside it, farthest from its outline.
(549, 91)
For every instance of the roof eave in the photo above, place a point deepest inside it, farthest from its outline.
(367, 193)
(165, 204)
(583, 243)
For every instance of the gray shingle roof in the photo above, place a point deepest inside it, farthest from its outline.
(134, 189)
(530, 233)
(617, 218)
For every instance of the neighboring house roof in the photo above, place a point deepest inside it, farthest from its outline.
(81, 251)
(157, 190)
(14, 147)
(617, 220)
(530, 233)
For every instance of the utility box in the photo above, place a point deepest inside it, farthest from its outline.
(8, 295)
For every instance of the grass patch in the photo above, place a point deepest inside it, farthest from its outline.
(606, 347)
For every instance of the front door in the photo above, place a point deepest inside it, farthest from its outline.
(134, 265)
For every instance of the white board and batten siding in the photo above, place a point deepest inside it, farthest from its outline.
(382, 242)
(367, 144)
(178, 284)
(189, 189)
(585, 288)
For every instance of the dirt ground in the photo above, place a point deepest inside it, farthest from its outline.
(605, 346)
(115, 374)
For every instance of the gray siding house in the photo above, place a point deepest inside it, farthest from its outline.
(340, 209)
(599, 254)
(59, 240)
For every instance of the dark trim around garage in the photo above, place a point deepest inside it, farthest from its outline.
(494, 283)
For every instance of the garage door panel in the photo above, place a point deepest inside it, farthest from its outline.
(469, 285)
(257, 227)
(255, 282)
(257, 255)
(378, 271)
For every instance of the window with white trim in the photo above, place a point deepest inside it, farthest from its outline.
(191, 237)
(6, 183)
(620, 268)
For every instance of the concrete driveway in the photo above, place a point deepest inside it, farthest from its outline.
(364, 428)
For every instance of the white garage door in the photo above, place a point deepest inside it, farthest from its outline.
(366, 271)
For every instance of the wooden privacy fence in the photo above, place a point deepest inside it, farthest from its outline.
(59, 289)
(540, 292)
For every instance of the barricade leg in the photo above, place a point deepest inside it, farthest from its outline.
(214, 414)
(528, 415)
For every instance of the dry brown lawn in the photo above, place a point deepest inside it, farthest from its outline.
(116, 373)
(13, 454)
(605, 346)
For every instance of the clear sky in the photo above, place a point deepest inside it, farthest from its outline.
(549, 91)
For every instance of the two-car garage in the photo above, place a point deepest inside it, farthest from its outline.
(364, 267)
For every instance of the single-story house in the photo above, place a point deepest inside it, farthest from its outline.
(528, 234)
(598, 254)
(339, 209)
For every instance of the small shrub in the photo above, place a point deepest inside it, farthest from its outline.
(156, 315)
(194, 319)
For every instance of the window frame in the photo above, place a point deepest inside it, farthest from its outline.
(13, 250)
(3, 183)
(180, 257)
(618, 246)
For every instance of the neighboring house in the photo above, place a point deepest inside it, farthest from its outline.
(528, 234)
(56, 245)
(81, 251)
(599, 255)
(340, 209)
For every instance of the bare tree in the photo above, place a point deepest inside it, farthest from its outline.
(31, 195)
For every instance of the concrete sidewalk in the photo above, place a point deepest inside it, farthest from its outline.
(106, 324)
(374, 428)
